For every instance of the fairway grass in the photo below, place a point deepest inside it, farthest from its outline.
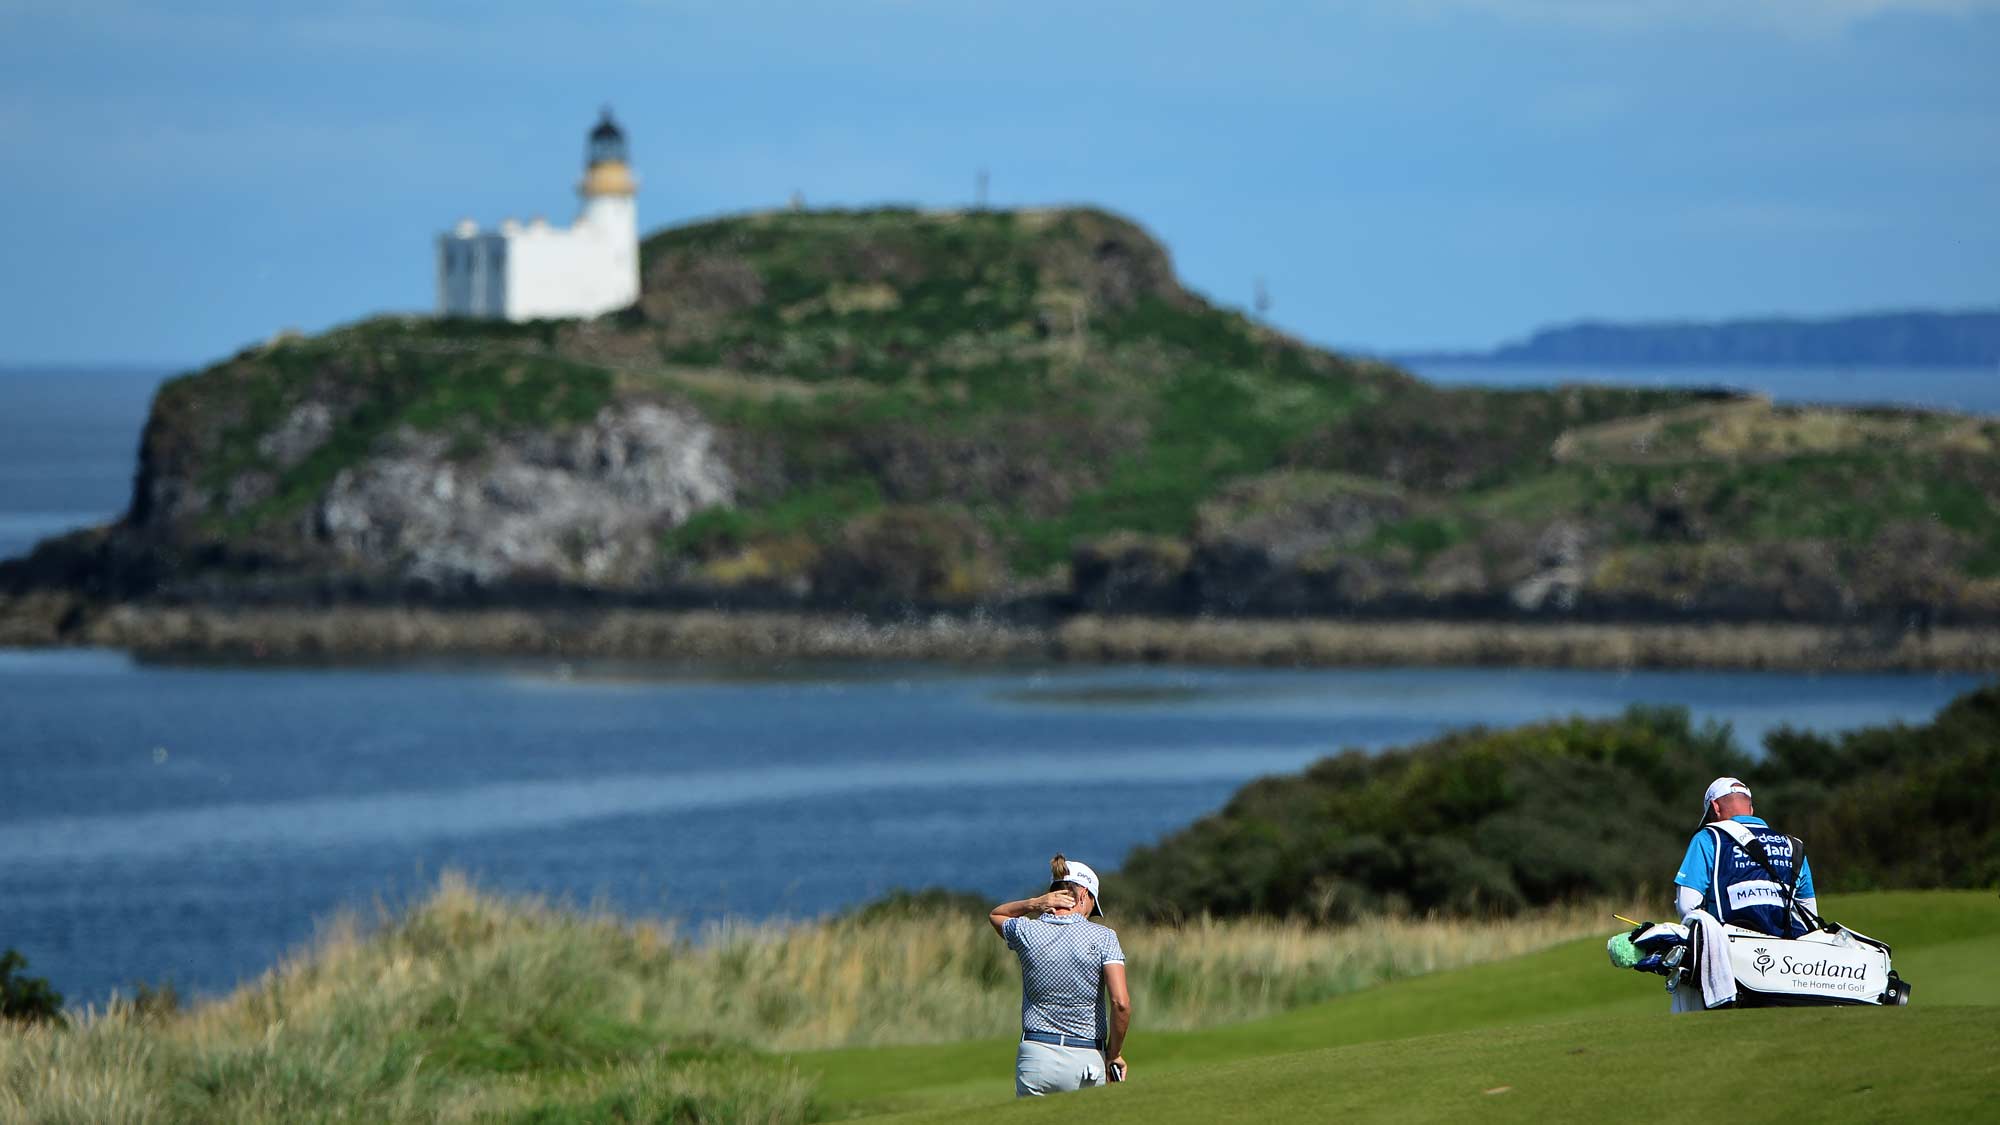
(1825, 1064)
(471, 1008)
(1567, 1034)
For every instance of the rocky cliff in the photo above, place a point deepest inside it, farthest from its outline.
(1010, 411)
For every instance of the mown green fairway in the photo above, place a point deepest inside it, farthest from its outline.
(1843, 1065)
(1564, 1034)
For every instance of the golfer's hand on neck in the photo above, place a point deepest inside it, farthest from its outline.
(1055, 902)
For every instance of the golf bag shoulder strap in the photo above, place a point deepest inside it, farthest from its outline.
(1753, 847)
(1743, 838)
(1736, 830)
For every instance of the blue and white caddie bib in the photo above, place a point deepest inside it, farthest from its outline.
(1743, 892)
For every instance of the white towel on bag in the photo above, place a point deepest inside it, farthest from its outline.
(1709, 947)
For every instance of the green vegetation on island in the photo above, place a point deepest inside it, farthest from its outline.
(887, 410)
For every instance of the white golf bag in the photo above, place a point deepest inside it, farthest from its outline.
(1825, 964)
(1829, 965)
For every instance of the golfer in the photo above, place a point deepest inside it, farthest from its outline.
(1069, 967)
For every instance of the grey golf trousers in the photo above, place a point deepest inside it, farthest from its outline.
(1044, 1068)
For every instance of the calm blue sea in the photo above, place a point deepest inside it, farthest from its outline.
(193, 823)
(69, 444)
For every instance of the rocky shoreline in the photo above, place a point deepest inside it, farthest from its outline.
(368, 633)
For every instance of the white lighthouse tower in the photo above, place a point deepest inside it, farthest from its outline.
(529, 271)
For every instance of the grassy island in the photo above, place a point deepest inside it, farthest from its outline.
(1013, 415)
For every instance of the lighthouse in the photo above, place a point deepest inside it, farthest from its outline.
(532, 270)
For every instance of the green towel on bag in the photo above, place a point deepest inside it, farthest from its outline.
(1623, 953)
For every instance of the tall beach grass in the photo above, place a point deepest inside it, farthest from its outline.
(474, 1007)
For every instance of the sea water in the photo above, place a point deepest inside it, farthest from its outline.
(193, 822)
(69, 446)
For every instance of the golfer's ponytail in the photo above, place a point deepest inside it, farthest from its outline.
(1058, 869)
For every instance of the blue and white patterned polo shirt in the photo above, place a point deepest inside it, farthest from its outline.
(1062, 965)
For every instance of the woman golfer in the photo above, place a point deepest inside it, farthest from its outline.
(1069, 966)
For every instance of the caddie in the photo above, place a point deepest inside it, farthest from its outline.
(1742, 871)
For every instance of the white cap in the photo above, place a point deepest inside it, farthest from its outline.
(1083, 876)
(1718, 789)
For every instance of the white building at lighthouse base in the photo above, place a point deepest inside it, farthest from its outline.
(530, 271)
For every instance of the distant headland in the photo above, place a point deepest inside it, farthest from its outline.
(1884, 339)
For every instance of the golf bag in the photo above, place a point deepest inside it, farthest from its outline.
(1829, 965)
(1825, 964)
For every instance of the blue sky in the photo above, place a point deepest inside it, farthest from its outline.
(179, 180)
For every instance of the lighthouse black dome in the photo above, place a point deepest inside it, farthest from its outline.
(607, 141)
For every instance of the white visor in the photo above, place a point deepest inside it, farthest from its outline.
(1083, 876)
